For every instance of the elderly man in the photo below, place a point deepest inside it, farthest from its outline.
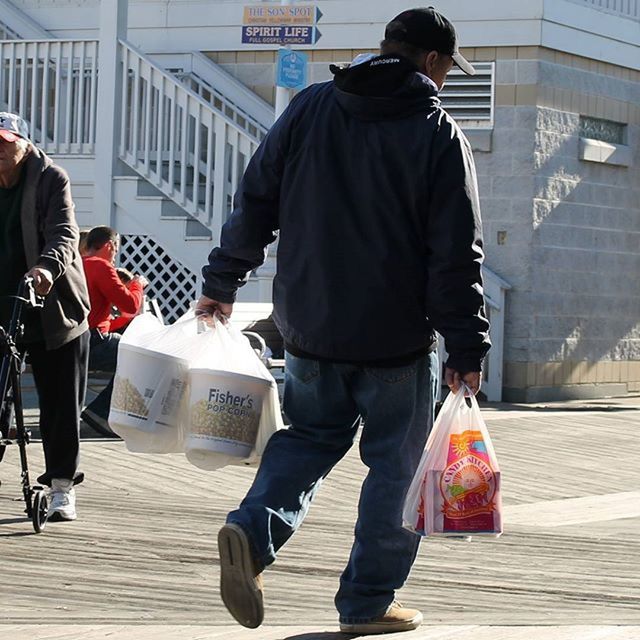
(39, 238)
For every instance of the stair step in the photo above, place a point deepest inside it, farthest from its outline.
(195, 230)
(172, 211)
(147, 189)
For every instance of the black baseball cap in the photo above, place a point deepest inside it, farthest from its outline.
(427, 29)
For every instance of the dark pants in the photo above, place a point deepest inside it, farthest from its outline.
(61, 382)
(103, 356)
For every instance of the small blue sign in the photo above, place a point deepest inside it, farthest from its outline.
(292, 69)
(280, 34)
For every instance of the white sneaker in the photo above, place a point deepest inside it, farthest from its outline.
(62, 500)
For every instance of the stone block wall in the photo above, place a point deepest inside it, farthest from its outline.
(571, 248)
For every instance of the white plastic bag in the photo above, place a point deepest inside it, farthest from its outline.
(148, 391)
(158, 360)
(456, 489)
(233, 407)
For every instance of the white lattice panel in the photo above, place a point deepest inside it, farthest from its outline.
(170, 283)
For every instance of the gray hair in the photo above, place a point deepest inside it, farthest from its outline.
(23, 144)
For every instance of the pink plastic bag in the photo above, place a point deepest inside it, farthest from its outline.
(456, 489)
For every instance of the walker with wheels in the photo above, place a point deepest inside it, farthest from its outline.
(11, 409)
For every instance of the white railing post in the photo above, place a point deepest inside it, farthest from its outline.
(113, 28)
(283, 95)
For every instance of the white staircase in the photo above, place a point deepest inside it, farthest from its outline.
(184, 142)
(190, 151)
(140, 211)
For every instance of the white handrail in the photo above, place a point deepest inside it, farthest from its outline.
(19, 24)
(52, 85)
(213, 76)
(219, 102)
(7, 33)
(191, 152)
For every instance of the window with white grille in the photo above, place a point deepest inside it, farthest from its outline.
(469, 99)
(170, 283)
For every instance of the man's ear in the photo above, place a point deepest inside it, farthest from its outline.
(431, 61)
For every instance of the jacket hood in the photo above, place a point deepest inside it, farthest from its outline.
(385, 87)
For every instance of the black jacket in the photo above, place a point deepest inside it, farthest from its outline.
(371, 188)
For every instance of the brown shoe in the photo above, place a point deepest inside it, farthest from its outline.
(240, 580)
(397, 618)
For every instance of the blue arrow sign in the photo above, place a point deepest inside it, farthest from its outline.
(292, 69)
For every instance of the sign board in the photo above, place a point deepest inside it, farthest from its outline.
(292, 69)
(282, 34)
(282, 15)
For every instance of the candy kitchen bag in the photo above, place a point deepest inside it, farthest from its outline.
(456, 489)
(413, 514)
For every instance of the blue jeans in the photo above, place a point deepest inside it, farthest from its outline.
(325, 402)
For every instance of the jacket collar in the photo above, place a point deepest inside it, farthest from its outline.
(383, 88)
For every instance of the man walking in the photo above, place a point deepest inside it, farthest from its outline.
(39, 239)
(370, 187)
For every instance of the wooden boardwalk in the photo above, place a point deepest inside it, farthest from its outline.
(141, 561)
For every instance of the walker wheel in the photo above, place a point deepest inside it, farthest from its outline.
(39, 510)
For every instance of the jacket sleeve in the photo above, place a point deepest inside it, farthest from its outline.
(455, 300)
(127, 300)
(60, 230)
(120, 322)
(126, 317)
(254, 221)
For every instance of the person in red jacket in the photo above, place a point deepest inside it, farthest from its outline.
(106, 291)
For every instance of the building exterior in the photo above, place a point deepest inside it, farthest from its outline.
(156, 147)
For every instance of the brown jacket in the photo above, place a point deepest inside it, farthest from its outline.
(50, 235)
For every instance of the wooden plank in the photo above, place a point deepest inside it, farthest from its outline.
(143, 551)
(193, 632)
(573, 511)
